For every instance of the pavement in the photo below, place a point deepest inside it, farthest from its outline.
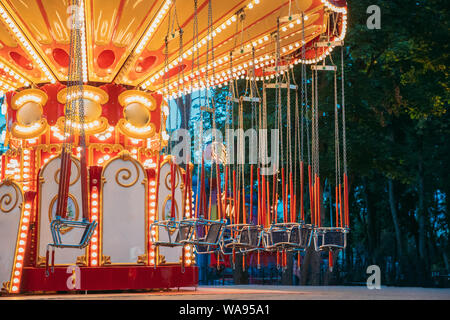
(258, 292)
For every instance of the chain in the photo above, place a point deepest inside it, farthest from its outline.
(297, 141)
(336, 134)
(344, 138)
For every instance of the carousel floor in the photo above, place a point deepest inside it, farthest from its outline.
(255, 292)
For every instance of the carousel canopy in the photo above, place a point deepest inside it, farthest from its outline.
(148, 44)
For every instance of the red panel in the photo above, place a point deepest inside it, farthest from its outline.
(21, 60)
(112, 110)
(53, 109)
(111, 278)
(10, 113)
(155, 115)
(106, 58)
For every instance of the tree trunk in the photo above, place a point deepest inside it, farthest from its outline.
(310, 272)
(422, 216)
(239, 275)
(393, 207)
(369, 221)
(287, 275)
(185, 110)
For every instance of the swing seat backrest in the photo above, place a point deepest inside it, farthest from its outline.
(87, 234)
(334, 238)
(305, 236)
(294, 235)
(202, 248)
(279, 236)
(184, 231)
(244, 236)
(253, 236)
(59, 223)
(212, 237)
(226, 239)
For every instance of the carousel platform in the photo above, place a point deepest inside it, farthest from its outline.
(110, 278)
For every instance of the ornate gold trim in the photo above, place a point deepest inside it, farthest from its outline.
(121, 125)
(82, 261)
(43, 127)
(106, 148)
(9, 197)
(77, 164)
(128, 93)
(49, 148)
(36, 92)
(148, 152)
(12, 153)
(62, 94)
(106, 260)
(5, 286)
(102, 126)
(142, 259)
(127, 175)
(77, 211)
(40, 261)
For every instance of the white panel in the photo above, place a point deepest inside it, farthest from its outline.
(171, 255)
(124, 211)
(11, 200)
(49, 177)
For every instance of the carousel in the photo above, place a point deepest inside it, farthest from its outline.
(91, 197)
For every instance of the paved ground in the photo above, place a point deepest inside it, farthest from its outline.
(253, 292)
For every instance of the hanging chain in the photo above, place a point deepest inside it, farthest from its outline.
(344, 138)
(336, 134)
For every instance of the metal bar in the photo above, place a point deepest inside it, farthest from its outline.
(329, 43)
(323, 68)
(280, 85)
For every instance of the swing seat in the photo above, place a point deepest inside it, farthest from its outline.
(333, 238)
(183, 231)
(210, 242)
(226, 239)
(283, 236)
(58, 223)
(301, 235)
(248, 237)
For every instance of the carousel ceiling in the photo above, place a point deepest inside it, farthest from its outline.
(124, 40)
